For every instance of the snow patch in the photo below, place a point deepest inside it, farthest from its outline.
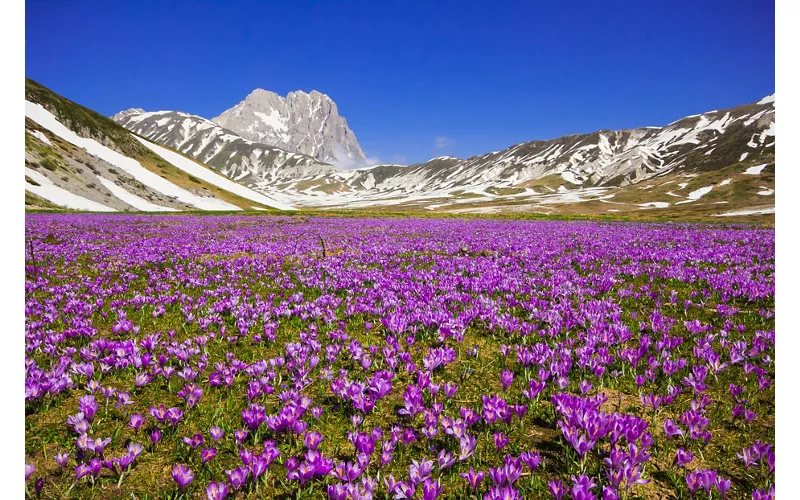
(60, 196)
(40, 135)
(131, 199)
(758, 211)
(699, 193)
(767, 100)
(755, 170)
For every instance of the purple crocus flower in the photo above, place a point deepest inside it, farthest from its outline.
(208, 454)
(531, 459)
(82, 470)
(610, 493)
(29, 470)
(418, 471)
(723, 485)
(431, 489)
(216, 491)
(95, 466)
(258, 466)
(240, 436)
(506, 378)
(216, 434)
(670, 429)
(62, 459)
(473, 478)
(500, 440)
(194, 441)
(237, 477)
(337, 491)
(445, 459)
(174, 415)
(683, 457)
(557, 488)
(88, 406)
(182, 475)
(155, 436)
(137, 419)
(311, 440)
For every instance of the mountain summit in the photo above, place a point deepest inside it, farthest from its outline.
(306, 123)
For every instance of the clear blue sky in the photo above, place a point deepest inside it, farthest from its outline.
(415, 79)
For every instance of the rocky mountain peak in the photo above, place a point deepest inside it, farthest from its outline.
(306, 123)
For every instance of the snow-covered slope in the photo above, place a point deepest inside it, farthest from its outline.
(240, 159)
(205, 174)
(101, 166)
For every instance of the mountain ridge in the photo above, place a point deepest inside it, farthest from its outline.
(535, 172)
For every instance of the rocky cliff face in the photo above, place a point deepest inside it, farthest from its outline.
(300, 123)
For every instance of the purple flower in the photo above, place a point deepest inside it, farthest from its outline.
(194, 441)
(237, 477)
(500, 440)
(88, 406)
(531, 459)
(240, 436)
(557, 488)
(216, 434)
(208, 454)
(29, 470)
(473, 478)
(337, 492)
(182, 475)
(259, 466)
(670, 429)
(723, 485)
(95, 466)
(312, 440)
(683, 457)
(506, 378)
(467, 444)
(216, 491)
(62, 459)
(82, 470)
(174, 415)
(137, 420)
(155, 436)
(420, 470)
(431, 489)
(445, 459)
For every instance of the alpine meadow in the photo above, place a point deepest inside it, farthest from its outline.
(545, 268)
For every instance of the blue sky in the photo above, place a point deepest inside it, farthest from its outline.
(415, 79)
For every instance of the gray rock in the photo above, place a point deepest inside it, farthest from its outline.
(300, 123)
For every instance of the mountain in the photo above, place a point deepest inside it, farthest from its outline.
(78, 159)
(240, 159)
(300, 123)
(574, 172)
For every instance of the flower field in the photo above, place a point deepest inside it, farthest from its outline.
(290, 357)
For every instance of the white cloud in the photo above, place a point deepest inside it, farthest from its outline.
(442, 142)
(347, 162)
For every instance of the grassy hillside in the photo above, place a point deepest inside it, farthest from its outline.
(88, 123)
